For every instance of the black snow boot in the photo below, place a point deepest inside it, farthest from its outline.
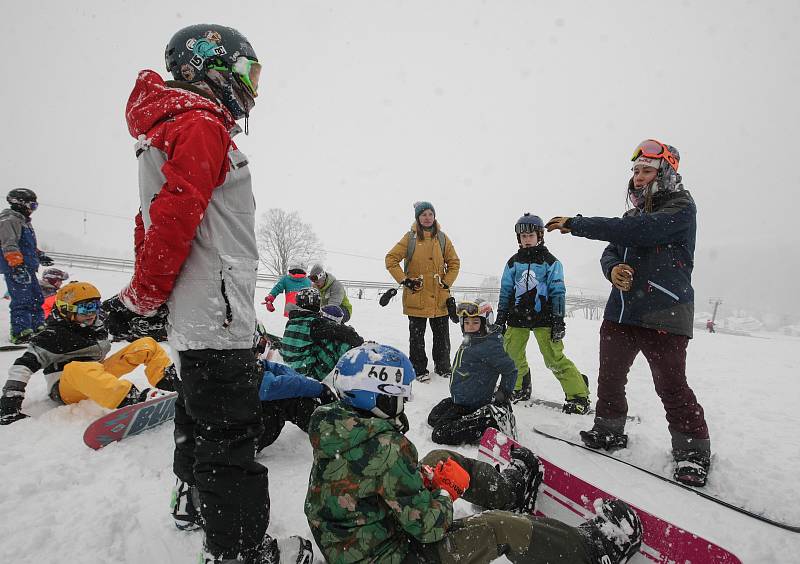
(600, 438)
(526, 474)
(185, 504)
(577, 406)
(615, 533)
(169, 380)
(524, 393)
(691, 467)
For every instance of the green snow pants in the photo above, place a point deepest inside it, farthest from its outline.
(516, 340)
(481, 538)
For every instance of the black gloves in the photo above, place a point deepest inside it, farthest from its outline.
(413, 284)
(44, 260)
(500, 397)
(387, 296)
(451, 309)
(327, 396)
(558, 329)
(20, 274)
(10, 407)
(125, 325)
(501, 319)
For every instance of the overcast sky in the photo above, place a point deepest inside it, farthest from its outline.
(487, 109)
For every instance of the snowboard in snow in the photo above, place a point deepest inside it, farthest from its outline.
(569, 499)
(129, 421)
(559, 406)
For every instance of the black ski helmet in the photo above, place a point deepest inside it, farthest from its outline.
(529, 223)
(308, 299)
(196, 49)
(22, 200)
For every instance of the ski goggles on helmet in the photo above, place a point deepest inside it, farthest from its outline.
(84, 308)
(653, 149)
(246, 71)
(471, 309)
(314, 277)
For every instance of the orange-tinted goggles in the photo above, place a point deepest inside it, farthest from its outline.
(653, 149)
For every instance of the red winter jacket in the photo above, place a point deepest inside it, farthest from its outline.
(197, 215)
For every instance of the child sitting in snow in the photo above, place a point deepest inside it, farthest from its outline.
(312, 343)
(474, 404)
(71, 351)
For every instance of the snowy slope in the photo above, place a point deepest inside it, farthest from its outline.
(63, 502)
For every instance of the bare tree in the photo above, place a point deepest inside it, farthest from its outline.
(284, 239)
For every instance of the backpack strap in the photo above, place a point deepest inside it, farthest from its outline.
(412, 246)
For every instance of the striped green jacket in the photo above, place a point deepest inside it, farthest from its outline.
(312, 357)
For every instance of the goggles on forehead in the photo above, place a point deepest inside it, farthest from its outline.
(84, 308)
(653, 149)
(471, 309)
(313, 277)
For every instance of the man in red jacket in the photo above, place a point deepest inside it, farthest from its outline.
(196, 252)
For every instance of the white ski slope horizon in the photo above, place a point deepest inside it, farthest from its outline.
(64, 502)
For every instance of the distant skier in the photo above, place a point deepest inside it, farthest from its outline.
(371, 500)
(21, 260)
(292, 282)
(71, 351)
(532, 300)
(479, 362)
(51, 281)
(710, 326)
(649, 261)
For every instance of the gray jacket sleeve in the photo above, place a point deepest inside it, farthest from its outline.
(336, 293)
(10, 232)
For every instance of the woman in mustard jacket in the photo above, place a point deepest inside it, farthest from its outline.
(431, 267)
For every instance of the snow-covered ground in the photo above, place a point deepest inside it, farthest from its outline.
(63, 502)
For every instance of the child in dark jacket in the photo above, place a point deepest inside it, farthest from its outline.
(532, 300)
(313, 343)
(474, 404)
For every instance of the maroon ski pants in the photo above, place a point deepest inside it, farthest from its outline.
(666, 354)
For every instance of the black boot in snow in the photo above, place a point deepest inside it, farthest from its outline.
(691, 467)
(524, 393)
(615, 534)
(577, 406)
(170, 379)
(185, 504)
(604, 439)
(525, 474)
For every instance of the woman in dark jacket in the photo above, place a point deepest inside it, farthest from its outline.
(649, 261)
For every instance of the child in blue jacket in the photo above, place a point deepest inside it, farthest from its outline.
(474, 404)
(532, 300)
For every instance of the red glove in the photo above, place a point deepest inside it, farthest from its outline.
(450, 477)
(268, 302)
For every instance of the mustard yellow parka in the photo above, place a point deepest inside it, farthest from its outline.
(429, 262)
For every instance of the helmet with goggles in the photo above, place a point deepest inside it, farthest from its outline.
(22, 199)
(479, 308)
(374, 378)
(77, 298)
(222, 58)
(530, 223)
(54, 276)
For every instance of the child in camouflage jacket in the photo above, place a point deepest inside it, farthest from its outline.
(371, 500)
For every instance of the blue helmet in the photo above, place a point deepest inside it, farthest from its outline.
(375, 378)
(530, 223)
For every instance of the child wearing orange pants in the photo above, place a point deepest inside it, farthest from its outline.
(71, 352)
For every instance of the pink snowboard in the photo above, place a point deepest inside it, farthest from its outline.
(129, 421)
(567, 498)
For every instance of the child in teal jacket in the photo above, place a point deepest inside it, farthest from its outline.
(290, 283)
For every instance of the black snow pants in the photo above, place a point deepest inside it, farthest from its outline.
(217, 424)
(458, 425)
(275, 414)
(441, 343)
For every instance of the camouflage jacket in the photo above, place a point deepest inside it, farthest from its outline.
(366, 501)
